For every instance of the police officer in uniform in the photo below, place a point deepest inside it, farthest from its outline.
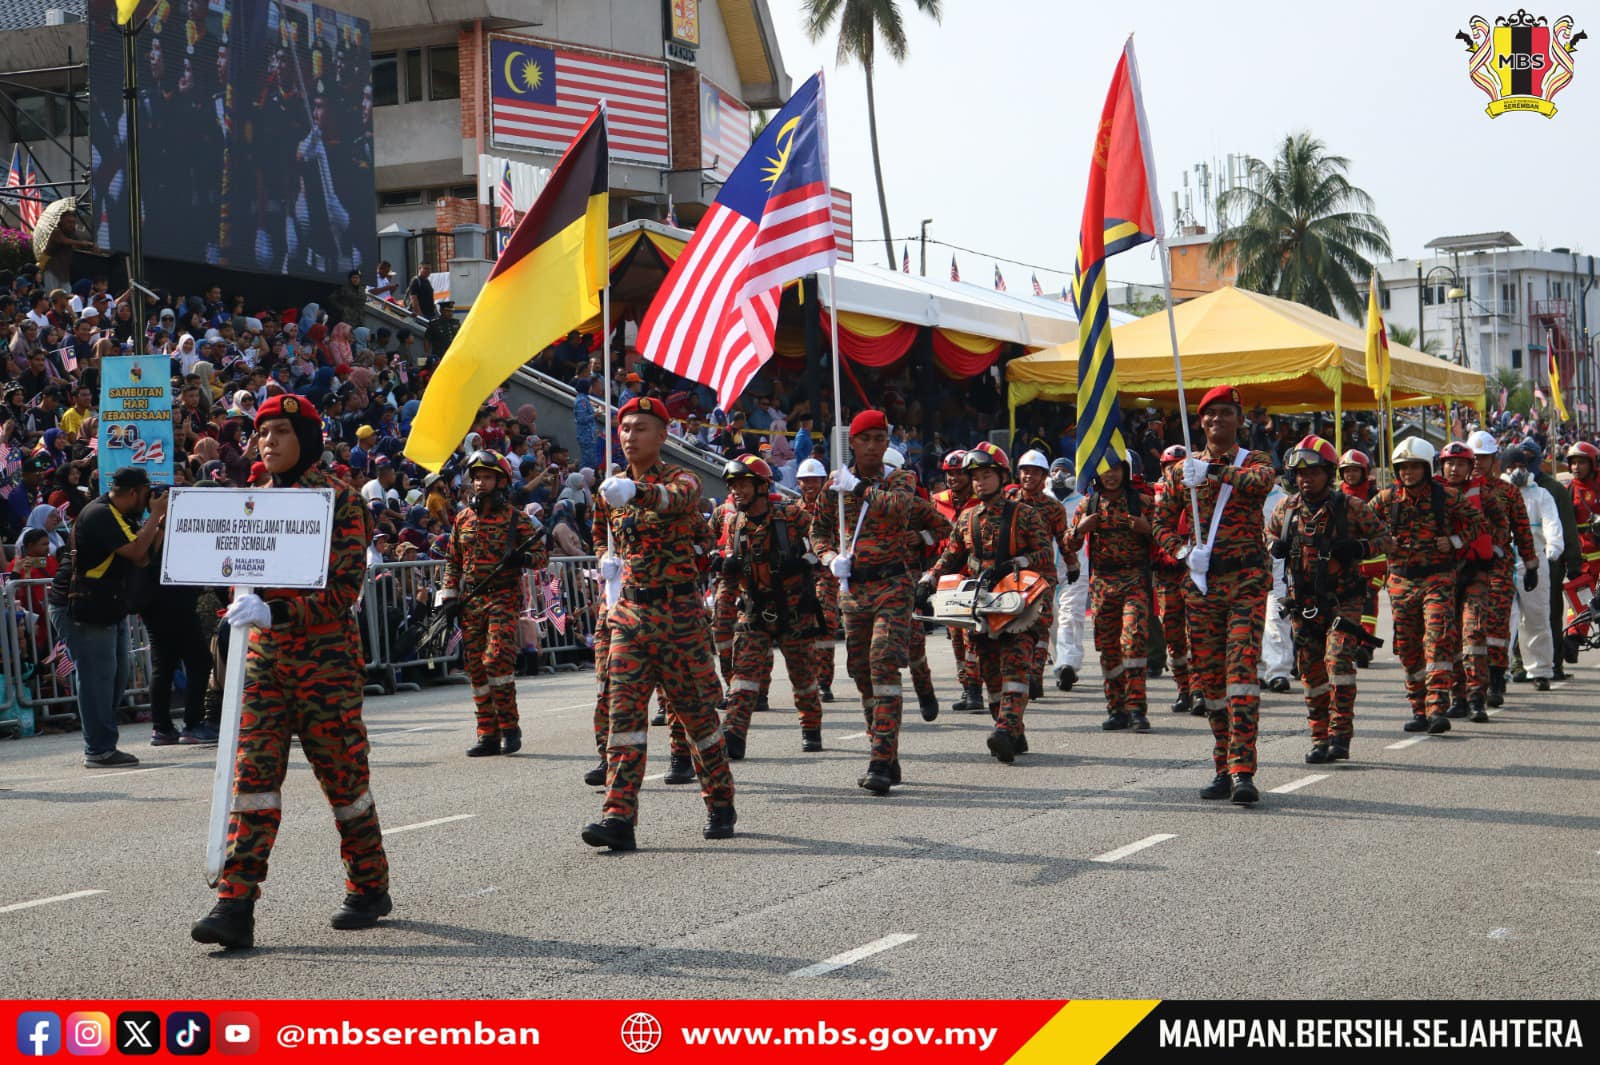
(491, 543)
(303, 677)
(1321, 536)
(659, 633)
(769, 563)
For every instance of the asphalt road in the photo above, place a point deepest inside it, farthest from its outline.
(1462, 865)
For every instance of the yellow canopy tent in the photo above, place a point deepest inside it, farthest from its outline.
(1283, 356)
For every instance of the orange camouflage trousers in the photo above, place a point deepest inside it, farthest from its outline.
(1121, 606)
(876, 617)
(490, 643)
(1225, 627)
(1426, 639)
(1326, 659)
(752, 672)
(1170, 607)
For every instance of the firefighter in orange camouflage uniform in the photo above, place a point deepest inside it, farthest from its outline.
(1516, 544)
(1115, 522)
(998, 537)
(1033, 470)
(659, 635)
(822, 506)
(1227, 590)
(303, 677)
(875, 587)
(1474, 599)
(956, 498)
(1428, 523)
(485, 535)
(1169, 577)
(926, 528)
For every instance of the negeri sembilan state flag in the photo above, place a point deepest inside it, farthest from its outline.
(1117, 215)
(545, 283)
(713, 319)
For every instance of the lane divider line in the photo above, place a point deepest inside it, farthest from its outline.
(426, 824)
(1134, 848)
(850, 957)
(1296, 785)
(1409, 741)
(15, 906)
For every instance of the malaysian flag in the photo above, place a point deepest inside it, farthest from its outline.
(999, 282)
(1038, 289)
(713, 319)
(29, 204)
(542, 97)
(955, 272)
(508, 212)
(844, 224)
(724, 131)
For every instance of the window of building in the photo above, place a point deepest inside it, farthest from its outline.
(413, 74)
(1508, 294)
(400, 198)
(1427, 295)
(1383, 298)
(1516, 358)
(444, 72)
(385, 79)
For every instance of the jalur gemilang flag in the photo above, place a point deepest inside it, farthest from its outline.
(545, 283)
(713, 319)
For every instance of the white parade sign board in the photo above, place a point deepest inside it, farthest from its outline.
(263, 538)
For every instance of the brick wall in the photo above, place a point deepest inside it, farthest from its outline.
(683, 101)
(471, 90)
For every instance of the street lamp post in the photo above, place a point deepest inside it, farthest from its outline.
(926, 222)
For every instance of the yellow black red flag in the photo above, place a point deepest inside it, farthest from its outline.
(545, 283)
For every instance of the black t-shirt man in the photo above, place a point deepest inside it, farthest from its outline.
(421, 290)
(100, 531)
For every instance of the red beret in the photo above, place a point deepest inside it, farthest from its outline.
(867, 421)
(644, 405)
(286, 406)
(257, 469)
(1221, 394)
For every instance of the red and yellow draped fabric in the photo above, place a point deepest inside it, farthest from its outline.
(962, 355)
(870, 341)
(545, 283)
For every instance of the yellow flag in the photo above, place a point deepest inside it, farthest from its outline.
(1555, 380)
(1377, 343)
(125, 10)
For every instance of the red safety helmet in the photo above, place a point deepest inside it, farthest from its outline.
(1584, 450)
(490, 460)
(747, 466)
(1313, 451)
(1455, 449)
(1175, 453)
(1354, 458)
(994, 451)
(952, 461)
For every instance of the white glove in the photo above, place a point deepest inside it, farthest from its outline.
(619, 491)
(611, 567)
(844, 480)
(840, 567)
(442, 596)
(1199, 558)
(1195, 472)
(249, 609)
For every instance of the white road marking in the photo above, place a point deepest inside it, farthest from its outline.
(53, 898)
(427, 824)
(850, 957)
(1500, 933)
(1410, 741)
(95, 776)
(655, 776)
(1296, 785)
(853, 736)
(1134, 848)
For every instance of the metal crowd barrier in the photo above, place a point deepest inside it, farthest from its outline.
(577, 577)
(27, 645)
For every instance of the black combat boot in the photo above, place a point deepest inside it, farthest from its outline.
(1197, 706)
(1339, 749)
(825, 692)
(486, 746)
(976, 703)
(1036, 688)
(1244, 789)
(1019, 743)
(1141, 723)
(762, 706)
(1320, 753)
(894, 771)
(929, 701)
(1480, 715)
(1066, 677)
(719, 823)
(1418, 723)
(1181, 704)
(231, 924)
(612, 832)
(1438, 723)
(1541, 684)
(1497, 686)
(362, 910)
(1001, 747)
(596, 777)
(810, 739)
(1116, 721)
(1221, 787)
(876, 779)
(734, 746)
(510, 740)
(1458, 709)
(680, 770)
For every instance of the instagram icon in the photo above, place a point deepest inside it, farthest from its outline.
(88, 1034)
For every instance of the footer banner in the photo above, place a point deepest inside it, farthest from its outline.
(739, 1030)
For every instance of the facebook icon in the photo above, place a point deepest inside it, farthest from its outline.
(38, 1034)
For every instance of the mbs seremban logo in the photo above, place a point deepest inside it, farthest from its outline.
(1522, 61)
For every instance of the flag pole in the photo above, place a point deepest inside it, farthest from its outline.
(612, 593)
(838, 444)
(1166, 267)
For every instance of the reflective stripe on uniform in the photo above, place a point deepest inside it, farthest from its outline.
(1178, 660)
(1243, 691)
(886, 691)
(496, 682)
(1495, 641)
(807, 690)
(629, 739)
(246, 801)
(1421, 674)
(746, 686)
(725, 645)
(823, 645)
(355, 809)
(1344, 680)
(1474, 649)
(1320, 689)
(1134, 663)
(713, 738)
(1438, 667)
(920, 661)
(1012, 687)
(1116, 671)
(476, 690)
(1216, 704)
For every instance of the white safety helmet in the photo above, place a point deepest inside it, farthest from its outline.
(1035, 459)
(893, 459)
(1413, 449)
(1483, 442)
(811, 468)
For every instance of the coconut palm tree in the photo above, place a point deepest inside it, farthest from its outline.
(1305, 233)
(861, 24)
(1406, 337)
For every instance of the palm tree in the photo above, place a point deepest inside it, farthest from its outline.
(861, 23)
(1305, 233)
(1406, 337)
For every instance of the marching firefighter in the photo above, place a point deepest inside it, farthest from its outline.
(992, 541)
(1516, 564)
(1227, 590)
(659, 632)
(769, 563)
(951, 502)
(1072, 591)
(925, 529)
(1474, 600)
(303, 677)
(1583, 459)
(1355, 480)
(1168, 578)
(491, 543)
(1530, 612)
(1115, 526)
(874, 586)
(1428, 523)
(813, 478)
(1321, 536)
(1033, 470)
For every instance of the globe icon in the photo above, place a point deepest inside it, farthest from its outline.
(641, 1033)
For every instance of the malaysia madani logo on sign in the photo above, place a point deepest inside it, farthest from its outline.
(1521, 61)
(227, 567)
